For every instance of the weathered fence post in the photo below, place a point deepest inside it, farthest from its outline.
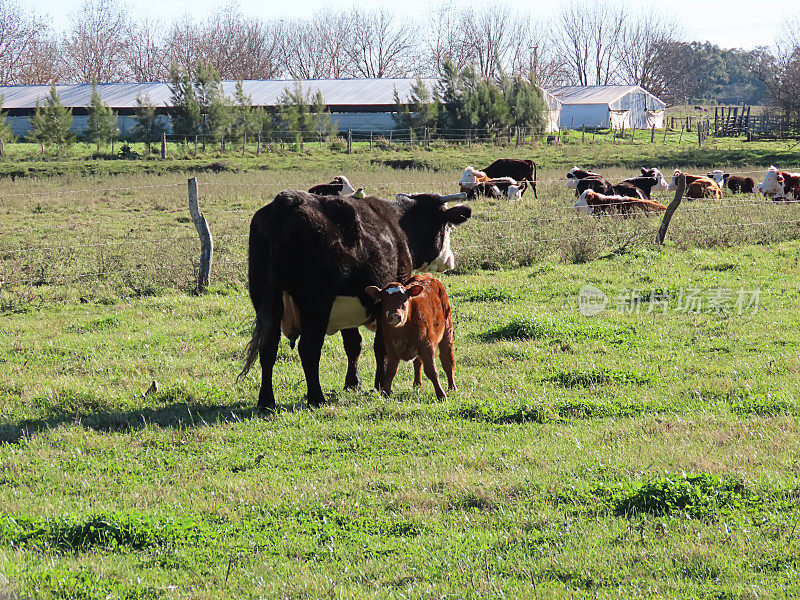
(349, 141)
(206, 242)
(163, 145)
(699, 135)
(370, 141)
(244, 143)
(653, 134)
(664, 141)
(583, 134)
(673, 206)
(258, 145)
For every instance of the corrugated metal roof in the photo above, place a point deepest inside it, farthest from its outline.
(335, 92)
(595, 94)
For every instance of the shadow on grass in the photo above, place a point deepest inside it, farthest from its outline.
(176, 415)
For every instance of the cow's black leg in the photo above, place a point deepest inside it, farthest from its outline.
(312, 336)
(380, 359)
(352, 347)
(268, 320)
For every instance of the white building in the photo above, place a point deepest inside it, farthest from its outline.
(607, 106)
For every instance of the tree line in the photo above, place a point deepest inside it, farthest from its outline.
(582, 43)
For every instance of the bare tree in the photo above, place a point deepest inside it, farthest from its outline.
(643, 48)
(379, 45)
(533, 56)
(445, 39)
(143, 52)
(43, 62)
(490, 37)
(302, 51)
(588, 40)
(183, 44)
(93, 46)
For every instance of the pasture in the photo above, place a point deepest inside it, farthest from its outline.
(651, 450)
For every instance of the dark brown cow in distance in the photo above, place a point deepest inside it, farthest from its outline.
(518, 169)
(413, 320)
(735, 183)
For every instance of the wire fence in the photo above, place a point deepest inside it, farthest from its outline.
(27, 265)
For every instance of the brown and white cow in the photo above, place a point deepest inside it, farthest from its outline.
(340, 186)
(735, 183)
(575, 174)
(516, 168)
(476, 183)
(593, 203)
(697, 186)
(413, 320)
(780, 185)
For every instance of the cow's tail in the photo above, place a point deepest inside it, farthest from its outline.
(263, 286)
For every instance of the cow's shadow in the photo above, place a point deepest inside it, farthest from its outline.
(178, 415)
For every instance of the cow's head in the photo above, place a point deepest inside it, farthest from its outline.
(515, 192)
(427, 222)
(471, 177)
(582, 204)
(393, 300)
(347, 189)
(661, 181)
(719, 176)
(673, 182)
(772, 184)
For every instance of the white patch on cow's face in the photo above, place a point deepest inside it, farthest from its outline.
(347, 189)
(581, 205)
(718, 176)
(445, 261)
(661, 181)
(572, 181)
(347, 312)
(394, 290)
(471, 177)
(772, 186)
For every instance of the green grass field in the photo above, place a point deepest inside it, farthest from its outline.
(651, 450)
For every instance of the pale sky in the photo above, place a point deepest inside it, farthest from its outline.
(728, 23)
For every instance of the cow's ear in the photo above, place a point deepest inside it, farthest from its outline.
(726, 175)
(373, 292)
(414, 290)
(457, 214)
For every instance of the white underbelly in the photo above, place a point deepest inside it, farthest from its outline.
(347, 312)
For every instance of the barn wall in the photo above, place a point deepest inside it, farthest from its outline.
(377, 122)
(575, 116)
(21, 126)
(638, 103)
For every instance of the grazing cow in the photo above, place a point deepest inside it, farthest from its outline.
(311, 258)
(593, 203)
(517, 169)
(575, 174)
(413, 320)
(340, 186)
(736, 184)
(780, 185)
(697, 186)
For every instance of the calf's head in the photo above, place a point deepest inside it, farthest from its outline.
(393, 300)
(661, 181)
(719, 176)
(347, 189)
(427, 222)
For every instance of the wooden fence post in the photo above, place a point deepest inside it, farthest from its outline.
(349, 141)
(163, 145)
(206, 241)
(370, 141)
(673, 206)
(653, 134)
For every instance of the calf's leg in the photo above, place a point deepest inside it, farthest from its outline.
(417, 371)
(447, 356)
(428, 358)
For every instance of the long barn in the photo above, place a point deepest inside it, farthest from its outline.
(359, 104)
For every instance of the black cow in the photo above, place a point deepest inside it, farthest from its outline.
(311, 258)
(642, 186)
(596, 184)
(340, 186)
(518, 169)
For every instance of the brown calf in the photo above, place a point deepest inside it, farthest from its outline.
(413, 320)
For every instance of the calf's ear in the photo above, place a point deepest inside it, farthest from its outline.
(457, 214)
(373, 292)
(414, 290)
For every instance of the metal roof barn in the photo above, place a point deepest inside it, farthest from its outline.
(354, 103)
(604, 106)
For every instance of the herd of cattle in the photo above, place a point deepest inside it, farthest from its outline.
(334, 259)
